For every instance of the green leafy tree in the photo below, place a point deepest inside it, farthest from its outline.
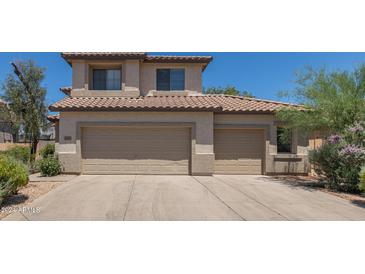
(228, 90)
(9, 120)
(23, 92)
(335, 100)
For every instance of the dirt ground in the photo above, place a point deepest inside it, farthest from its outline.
(26, 195)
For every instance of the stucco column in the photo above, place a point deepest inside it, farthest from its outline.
(131, 73)
(80, 75)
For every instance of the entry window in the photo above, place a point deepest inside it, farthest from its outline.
(106, 79)
(284, 140)
(170, 79)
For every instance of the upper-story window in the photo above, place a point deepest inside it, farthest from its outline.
(170, 79)
(106, 79)
(284, 140)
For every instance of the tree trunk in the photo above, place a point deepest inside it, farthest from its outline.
(15, 137)
(34, 144)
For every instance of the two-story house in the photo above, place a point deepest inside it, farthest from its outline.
(134, 113)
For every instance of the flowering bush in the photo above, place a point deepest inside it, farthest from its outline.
(356, 128)
(340, 159)
(334, 139)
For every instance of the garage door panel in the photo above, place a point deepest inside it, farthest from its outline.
(131, 155)
(239, 162)
(243, 170)
(122, 150)
(238, 151)
(135, 162)
(136, 168)
(134, 172)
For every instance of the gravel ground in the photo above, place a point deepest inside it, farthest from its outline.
(26, 195)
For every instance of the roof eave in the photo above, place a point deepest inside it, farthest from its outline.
(204, 60)
(68, 58)
(175, 109)
(53, 118)
(66, 90)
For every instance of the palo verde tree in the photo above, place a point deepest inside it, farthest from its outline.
(23, 92)
(335, 100)
(228, 90)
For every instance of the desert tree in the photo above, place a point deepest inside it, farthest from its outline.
(334, 100)
(228, 90)
(25, 97)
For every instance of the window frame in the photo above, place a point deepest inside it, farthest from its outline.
(170, 80)
(106, 69)
(290, 144)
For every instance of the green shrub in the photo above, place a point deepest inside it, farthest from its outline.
(362, 179)
(20, 153)
(13, 174)
(49, 166)
(47, 151)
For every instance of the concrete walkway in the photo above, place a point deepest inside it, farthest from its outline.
(221, 197)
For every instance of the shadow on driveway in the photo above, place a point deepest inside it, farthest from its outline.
(309, 183)
(360, 203)
(14, 200)
(312, 184)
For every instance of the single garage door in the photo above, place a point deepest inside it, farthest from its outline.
(238, 151)
(135, 150)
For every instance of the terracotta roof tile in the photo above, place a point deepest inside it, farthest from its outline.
(53, 118)
(178, 59)
(66, 90)
(68, 56)
(215, 103)
(80, 55)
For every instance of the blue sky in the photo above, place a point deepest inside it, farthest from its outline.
(263, 74)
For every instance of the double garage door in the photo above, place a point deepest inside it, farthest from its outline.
(166, 150)
(135, 150)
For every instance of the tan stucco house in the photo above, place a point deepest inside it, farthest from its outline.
(134, 113)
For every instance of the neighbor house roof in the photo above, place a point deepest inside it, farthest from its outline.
(143, 56)
(53, 118)
(215, 103)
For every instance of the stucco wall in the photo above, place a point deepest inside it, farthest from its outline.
(137, 78)
(82, 78)
(69, 150)
(79, 75)
(193, 73)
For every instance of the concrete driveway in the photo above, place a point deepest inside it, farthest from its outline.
(221, 197)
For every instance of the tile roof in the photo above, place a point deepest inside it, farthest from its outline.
(68, 56)
(66, 90)
(53, 118)
(177, 59)
(87, 55)
(214, 103)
